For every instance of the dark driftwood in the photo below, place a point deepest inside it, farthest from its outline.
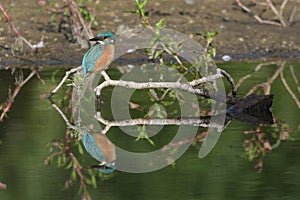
(253, 109)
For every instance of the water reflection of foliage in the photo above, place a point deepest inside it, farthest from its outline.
(66, 152)
(2, 185)
(267, 85)
(264, 139)
(20, 81)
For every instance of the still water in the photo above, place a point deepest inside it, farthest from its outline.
(225, 173)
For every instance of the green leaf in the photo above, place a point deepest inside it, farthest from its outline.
(73, 174)
(158, 53)
(144, 3)
(80, 149)
(160, 24)
(69, 165)
(94, 182)
(132, 11)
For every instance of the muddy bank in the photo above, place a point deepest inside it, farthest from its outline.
(239, 33)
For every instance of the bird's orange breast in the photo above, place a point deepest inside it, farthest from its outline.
(105, 58)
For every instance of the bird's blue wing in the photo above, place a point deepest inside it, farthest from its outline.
(90, 58)
(91, 147)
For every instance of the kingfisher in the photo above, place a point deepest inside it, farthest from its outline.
(101, 149)
(100, 55)
(96, 59)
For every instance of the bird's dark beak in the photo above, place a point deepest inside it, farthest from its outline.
(96, 39)
(95, 166)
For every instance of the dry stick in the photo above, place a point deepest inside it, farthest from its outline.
(88, 31)
(262, 21)
(295, 78)
(282, 7)
(258, 18)
(269, 2)
(230, 80)
(289, 89)
(17, 33)
(148, 85)
(39, 77)
(16, 92)
(174, 55)
(291, 18)
(187, 87)
(245, 8)
(9, 21)
(68, 73)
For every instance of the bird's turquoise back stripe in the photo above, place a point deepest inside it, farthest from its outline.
(107, 171)
(90, 58)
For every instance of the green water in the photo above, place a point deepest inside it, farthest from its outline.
(224, 174)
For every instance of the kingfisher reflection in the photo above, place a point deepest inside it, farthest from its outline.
(101, 149)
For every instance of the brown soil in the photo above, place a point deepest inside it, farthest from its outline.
(239, 33)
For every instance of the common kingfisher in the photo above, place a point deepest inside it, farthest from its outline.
(99, 56)
(102, 149)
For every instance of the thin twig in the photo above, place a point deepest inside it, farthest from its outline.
(39, 77)
(206, 79)
(282, 7)
(245, 8)
(295, 77)
(262, 21)
(17, 33)
(257, 68)
(270, 4)
(15, 93)
(9, 21)
(291, 18)
(294, 97)
(68, 73)
(267, 85)
(275, 11)
(230, 80)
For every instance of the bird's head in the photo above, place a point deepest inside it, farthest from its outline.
(104, 38)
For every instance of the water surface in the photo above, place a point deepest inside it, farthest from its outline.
(224, 174)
